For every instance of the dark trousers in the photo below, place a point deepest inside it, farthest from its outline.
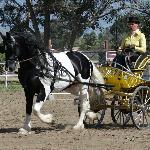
(125, 59)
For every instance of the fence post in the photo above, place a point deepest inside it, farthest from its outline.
(6, 79)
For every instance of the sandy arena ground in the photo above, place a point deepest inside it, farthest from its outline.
(61, 136)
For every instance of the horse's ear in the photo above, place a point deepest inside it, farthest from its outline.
(3, 37)
(8, 36)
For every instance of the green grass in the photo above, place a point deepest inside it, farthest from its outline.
(12, 86)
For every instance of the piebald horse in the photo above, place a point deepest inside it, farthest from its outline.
(40, 72)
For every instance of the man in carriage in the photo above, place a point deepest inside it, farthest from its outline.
(133, 45)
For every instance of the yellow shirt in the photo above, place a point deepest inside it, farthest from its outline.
(137, 40)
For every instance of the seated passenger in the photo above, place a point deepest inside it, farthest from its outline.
(132, 46)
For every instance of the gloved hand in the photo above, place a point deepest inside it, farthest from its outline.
(132, 46)
(129, 48)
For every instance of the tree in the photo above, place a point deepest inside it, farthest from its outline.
(118, 30)
(74, 16)
(89, 41)
(11, 15)
(79, 15)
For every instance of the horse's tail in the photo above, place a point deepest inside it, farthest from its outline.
(97, 76)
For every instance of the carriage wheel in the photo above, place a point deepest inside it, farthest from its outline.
(140, 107)
(101, 113)
(119, 116)
(98, 108)
(100, 116)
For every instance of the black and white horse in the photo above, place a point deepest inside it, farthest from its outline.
(40, 72)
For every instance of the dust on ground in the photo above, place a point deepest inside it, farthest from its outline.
(61, 136)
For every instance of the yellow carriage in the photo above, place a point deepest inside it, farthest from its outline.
(128, 98)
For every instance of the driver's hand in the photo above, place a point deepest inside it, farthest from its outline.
(119, 51)
(130, 48)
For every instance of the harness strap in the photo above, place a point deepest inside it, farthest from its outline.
(55, 61)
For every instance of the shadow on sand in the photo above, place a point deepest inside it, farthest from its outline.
(60, 127)
(111, 126)
(36, 130)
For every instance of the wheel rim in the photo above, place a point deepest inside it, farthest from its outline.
(99, 108)
(140, 107)
(119, 116)
(101, 115)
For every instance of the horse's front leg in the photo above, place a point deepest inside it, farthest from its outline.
(41, 98)
(29, 102)
(84, 106)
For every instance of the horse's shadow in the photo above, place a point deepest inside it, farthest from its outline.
(54, 127)
(108, 126)
(36, 130)
(60, 127)
(9, 130)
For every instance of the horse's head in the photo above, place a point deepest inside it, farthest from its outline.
(10, 52)
(21, 46)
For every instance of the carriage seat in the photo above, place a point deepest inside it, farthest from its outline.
(141, 65)
(142, 62)
(137, 67)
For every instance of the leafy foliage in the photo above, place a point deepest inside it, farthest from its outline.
(89, 41)
(64, 21)
(74, 16)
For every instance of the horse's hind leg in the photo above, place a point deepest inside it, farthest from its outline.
(84, 106)
(41, 98)
(29, 102)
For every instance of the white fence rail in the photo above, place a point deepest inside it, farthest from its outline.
(6, 75)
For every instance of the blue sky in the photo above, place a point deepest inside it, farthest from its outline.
(3, 30)
(20, 1)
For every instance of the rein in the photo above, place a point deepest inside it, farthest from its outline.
(76, 81)
(64, 69)
(58, 67)
(56, 64)
(105, 86)
(28, 59)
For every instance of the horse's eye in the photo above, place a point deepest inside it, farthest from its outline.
(17, 44)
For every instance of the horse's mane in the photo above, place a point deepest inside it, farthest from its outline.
(30, 45)
(28, 40)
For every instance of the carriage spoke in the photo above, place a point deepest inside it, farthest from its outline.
(138, 118)
(146, 119)
(119, 116)
(143, 116)
(140, 96)
(123, 118)
(140, 107)
(146, 97)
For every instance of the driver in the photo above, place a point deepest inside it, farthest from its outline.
(133, 44)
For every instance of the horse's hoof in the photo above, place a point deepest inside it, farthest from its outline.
(48, 118)
(91, 116)
(78, 127)
(24, 131)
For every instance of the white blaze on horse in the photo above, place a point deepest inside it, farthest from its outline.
(41, 72)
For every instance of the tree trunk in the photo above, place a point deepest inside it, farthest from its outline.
(72, 40)
(46, 26)
(34, 20)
